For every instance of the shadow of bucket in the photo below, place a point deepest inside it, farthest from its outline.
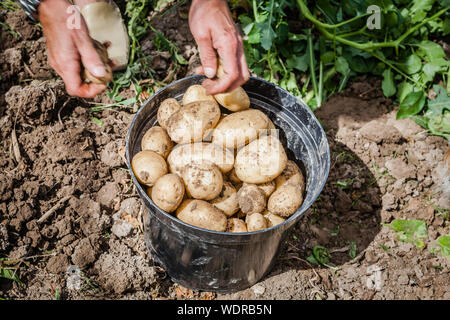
(201, 259)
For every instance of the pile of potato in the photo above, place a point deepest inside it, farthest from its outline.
(218, 171)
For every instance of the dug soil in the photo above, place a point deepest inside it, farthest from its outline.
(71, 220)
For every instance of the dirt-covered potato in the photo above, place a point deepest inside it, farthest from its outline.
(255, 222)
(195, 93)
(233, 177)
(239, 128)
(148, 166)
(165, 110)
(235, 100)
(181, 155)
(157, 139)
(202, 214)
(261, 160)
(227, 201)
(291, 174)
(285, 200)
(103, 53)
(193, 121)
(203, 180)
(267, 187)
(251, 199)
(273, 219)
(236, 225)
(167, 192)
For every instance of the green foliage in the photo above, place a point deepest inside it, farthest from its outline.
(334, 44)
(412, 231)
(444, 243)
(321, 256)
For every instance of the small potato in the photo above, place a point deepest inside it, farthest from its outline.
(103, 54)
(167, 192)
(267, 187)
(251, 199)
(233, 177)
(239, 128)
(291, 174)
(255, 222)
(227, 200)
(202, 214)
(195, 93)
(181, 155)
(148, 166)
(235, 100)
(236, 225)
(273, 219)
(157, 139)
(285, 200)
(166, 109)
(203, 180)
(193, 122)
(261, 160)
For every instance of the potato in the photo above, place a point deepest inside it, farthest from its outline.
(285, 200)
(203, 180)
(193, 121)
(157, 139)
(227, 200)
(148, 166)
(267, 187)
(239, 128)
(291, 174)
(202, 214)
(236, 225)
(103, 53)
(165, 110)
(195, 93)
(181, 155)
(273, 219)
(167, 192)
(255, 222)
(233, 177)
(251, 199)
(261, 160)
(235, 100)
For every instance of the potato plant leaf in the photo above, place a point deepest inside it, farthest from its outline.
(444, 243)
(388, 84)
(412, 231)
(411, 105)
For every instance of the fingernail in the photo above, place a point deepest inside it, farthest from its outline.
(99, 71)
(209, 72)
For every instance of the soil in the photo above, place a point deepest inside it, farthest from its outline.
(71, 220)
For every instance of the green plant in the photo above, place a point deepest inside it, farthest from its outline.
(321, 256)
(444, 243)
(413, 231)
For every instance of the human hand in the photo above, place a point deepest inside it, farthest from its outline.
(68, 47)
(214, 31)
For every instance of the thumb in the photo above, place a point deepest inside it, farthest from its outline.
(89, 56)
(208, 57)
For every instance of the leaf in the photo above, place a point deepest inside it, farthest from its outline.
(388, 84)
(430, 50)
(444, 243)
(411, 105)
(441, 102)
(412, 64)
(352, 251)
(267, 35)
(419, 9)
(440, 125)
(404, 88)
(298, 62)
(342, 65)
(412, 231)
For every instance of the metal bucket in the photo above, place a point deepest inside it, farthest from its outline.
(200, 259)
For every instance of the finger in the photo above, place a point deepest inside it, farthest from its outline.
(199, 70)
(244, 73)
(89, 56)
(74, 84)
(208, 56)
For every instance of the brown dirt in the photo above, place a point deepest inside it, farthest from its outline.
(68, 162)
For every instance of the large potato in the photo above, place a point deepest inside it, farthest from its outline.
(148, 166)
(261, 160)
(181, 155)
(193, 122)
(273, 219)
(256, 222)
(239, 128)
(236, 225)
(285, 200)
(227, 200)
(291, 174)
(251, 199)
(166, 109)
(196, 92)
(167, 192)
(203, 180)
(157, 139)
(235, 100)
(202, 214)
